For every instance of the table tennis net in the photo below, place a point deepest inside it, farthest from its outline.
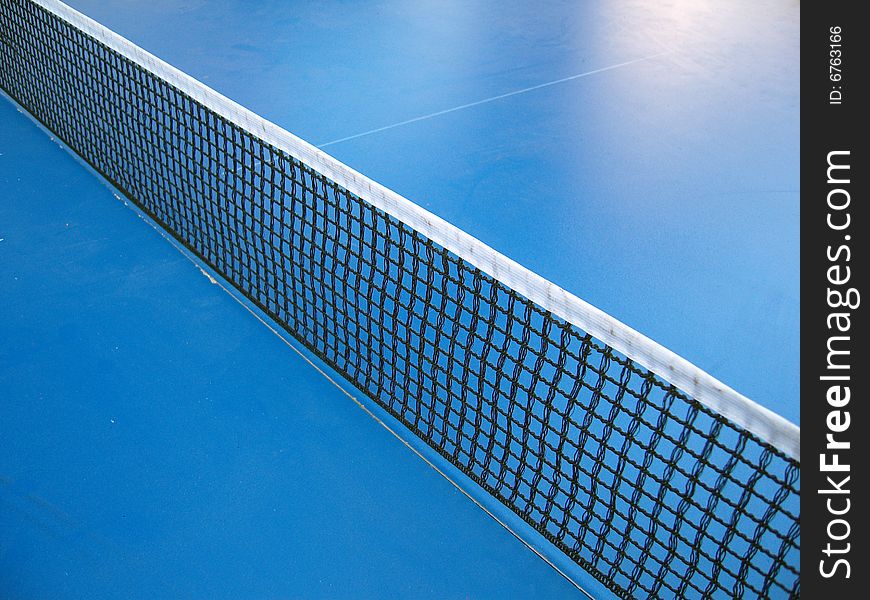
(648, 489)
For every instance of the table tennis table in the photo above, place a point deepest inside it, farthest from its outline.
(161, 438)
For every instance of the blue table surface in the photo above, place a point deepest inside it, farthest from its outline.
(664, 191)
(158, 441)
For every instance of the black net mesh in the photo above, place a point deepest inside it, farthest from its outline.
(648, 490)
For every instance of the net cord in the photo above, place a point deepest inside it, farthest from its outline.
(758, 420)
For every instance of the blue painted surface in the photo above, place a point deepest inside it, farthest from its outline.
(160, 442)
(664, 192)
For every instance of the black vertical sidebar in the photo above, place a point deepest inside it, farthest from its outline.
(835, 342)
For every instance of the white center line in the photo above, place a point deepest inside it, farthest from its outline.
(492, 99)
